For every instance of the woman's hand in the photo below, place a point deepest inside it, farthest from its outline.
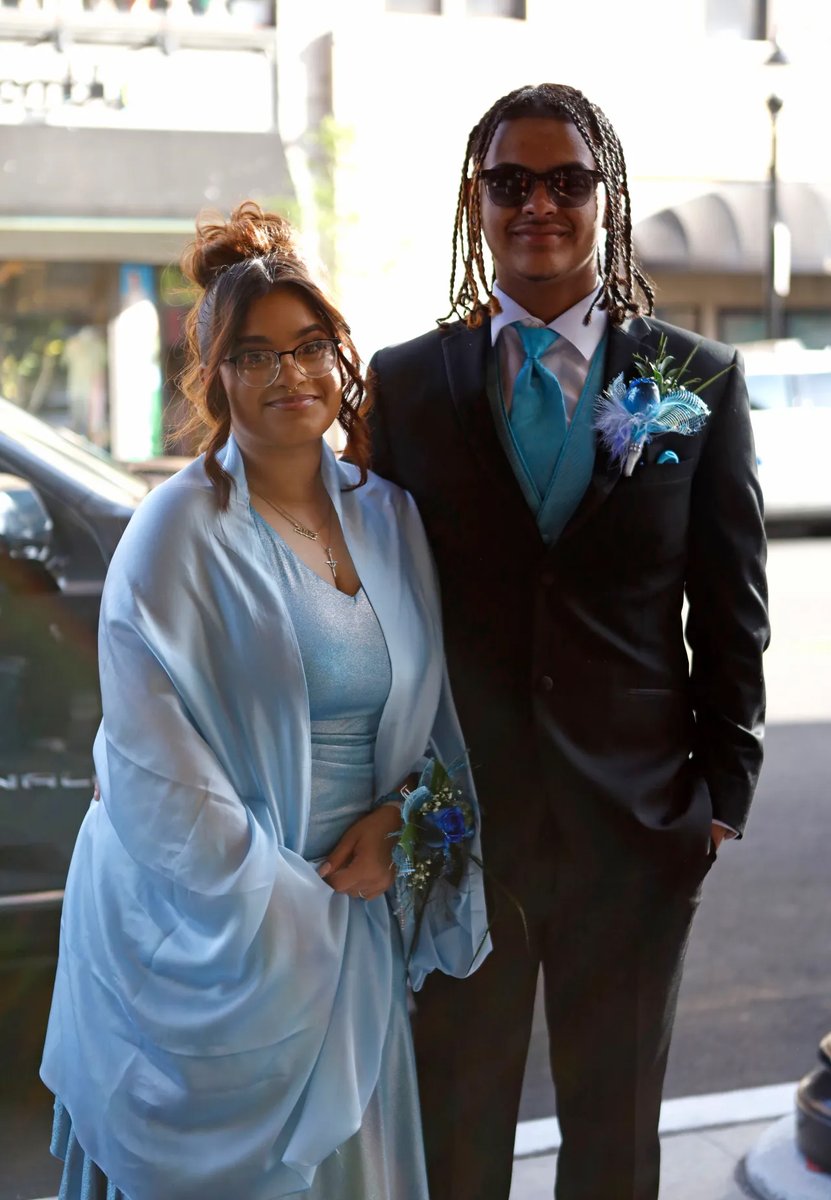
(361, 863)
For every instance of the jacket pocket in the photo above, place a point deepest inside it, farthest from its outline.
(653, 475)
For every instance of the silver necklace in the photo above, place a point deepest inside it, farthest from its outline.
(304, 531)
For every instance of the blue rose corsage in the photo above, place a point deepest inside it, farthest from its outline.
(438, 825)
(435, 844)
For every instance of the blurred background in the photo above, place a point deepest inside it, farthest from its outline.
(121, 119)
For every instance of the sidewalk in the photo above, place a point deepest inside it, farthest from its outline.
(722, 1147)
(694, 1166)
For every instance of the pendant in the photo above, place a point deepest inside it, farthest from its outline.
(304, 532)
(331, 562)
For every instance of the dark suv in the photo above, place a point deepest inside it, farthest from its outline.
(63, 507)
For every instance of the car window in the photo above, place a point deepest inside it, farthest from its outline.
(814, 391)
(71, 456)
(769, 391)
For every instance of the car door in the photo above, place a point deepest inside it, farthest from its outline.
(50, 591)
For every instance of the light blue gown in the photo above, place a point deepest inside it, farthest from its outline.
(220, 1022)
(348, 676)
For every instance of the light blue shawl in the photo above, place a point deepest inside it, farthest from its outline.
(219, 1011)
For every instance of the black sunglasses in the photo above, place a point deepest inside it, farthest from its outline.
(568, 187)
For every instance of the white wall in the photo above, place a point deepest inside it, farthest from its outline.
(406, 90)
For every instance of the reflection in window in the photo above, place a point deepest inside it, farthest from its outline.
(737, 18)
(741, 325)
(768, 391)
(53, 342)
(685, 315)
(497, 8)
(812, 326)
(414, 6)
(793, 389)
(815, 390)
(57, 344)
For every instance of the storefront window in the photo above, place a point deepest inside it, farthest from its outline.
(53, 342)
(685, 315)
(812, 326)
(176, 296)
(96, 348)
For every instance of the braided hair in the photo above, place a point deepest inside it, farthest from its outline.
(622, 278)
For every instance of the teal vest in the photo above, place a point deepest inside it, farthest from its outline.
(572, 472)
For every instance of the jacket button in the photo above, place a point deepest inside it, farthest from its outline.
(546, 683)
(547, 579)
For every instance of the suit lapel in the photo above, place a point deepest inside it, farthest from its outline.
(465, 357)
(624, 343)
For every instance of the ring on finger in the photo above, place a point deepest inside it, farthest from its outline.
(360, 893)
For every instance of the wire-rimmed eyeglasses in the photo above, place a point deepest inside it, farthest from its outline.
(259, 368)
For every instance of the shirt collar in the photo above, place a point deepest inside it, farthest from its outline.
(585, 338)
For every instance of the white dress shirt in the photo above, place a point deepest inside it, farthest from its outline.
(569, 357)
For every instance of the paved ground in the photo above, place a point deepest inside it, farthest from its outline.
(705, 1164)
(731, 1162)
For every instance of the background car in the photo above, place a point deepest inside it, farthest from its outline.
(790, 400)
(63, 508)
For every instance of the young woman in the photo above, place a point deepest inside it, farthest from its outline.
(230, 1018)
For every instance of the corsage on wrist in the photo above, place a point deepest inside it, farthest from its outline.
(434, 840)
(435, 844)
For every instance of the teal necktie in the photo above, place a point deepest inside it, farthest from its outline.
(538, 412)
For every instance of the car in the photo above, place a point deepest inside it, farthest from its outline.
(63, 507)
(790, 402)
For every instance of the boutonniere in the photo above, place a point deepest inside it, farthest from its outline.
(660, 400)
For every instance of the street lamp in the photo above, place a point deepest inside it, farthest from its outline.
(778, 276)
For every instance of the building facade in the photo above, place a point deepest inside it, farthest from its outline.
(121, 119)
(686, 85)
(118, 123)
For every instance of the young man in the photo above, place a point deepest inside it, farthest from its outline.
(608, 768)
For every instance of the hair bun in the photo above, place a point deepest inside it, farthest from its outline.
(249, 232)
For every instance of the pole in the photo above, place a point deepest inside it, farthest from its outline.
(774, 315)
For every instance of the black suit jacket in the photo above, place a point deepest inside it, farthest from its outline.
(568, 661)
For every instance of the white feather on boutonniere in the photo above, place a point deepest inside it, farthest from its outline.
(659, 401)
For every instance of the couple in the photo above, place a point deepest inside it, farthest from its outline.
(230, 1016)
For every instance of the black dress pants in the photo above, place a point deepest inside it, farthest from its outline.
(611, 941)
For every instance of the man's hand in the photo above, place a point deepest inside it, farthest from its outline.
(361, 863)
(718, 833)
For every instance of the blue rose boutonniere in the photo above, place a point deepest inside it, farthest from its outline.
(660, 400)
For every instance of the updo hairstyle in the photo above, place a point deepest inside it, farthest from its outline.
(234, 262)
